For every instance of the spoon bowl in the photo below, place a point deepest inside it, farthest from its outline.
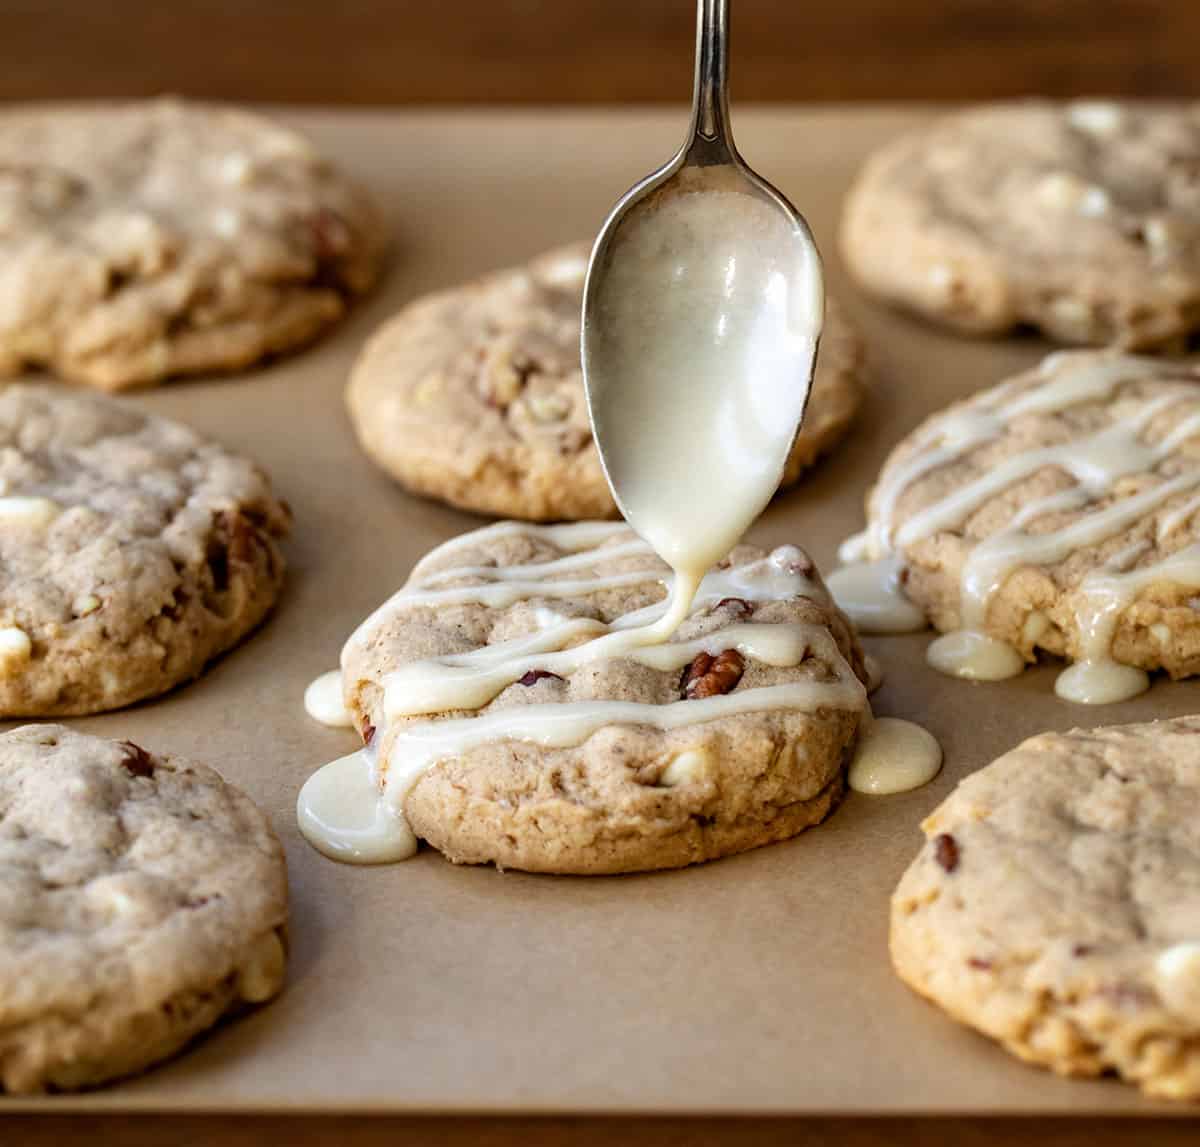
(702, 310)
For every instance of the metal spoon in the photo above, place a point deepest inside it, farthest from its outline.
(707, 162)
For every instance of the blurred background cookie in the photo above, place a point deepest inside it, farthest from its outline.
(148, 240)
(475, 395)
(1081, 219)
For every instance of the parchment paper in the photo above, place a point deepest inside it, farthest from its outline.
(753, 984)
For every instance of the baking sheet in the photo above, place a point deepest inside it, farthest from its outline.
(758, 983)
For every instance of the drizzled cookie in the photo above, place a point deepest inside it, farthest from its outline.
(513, 711)
(1058, 512)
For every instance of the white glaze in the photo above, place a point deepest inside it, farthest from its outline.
(28, 511)
(470, 680)
(1096, 463)
(869, 594)
(323, 700)
(893, 756)
(1177, 977)
(975, 656)
(341, 814)
(698, 350)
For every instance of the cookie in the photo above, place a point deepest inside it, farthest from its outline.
(132, 552)
(1058, 512)
(141, 899)
(475, 396)
(563, 758)
(150, 240)
(1055, 905)
(1081, 219)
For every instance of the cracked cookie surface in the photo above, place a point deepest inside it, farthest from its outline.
(1056, 904)
(475, 395)
(132, 552)
(1081, 219)
(144, 241)
(141, 898)
(630, 796)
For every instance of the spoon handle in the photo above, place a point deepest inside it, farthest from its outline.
(711, 139)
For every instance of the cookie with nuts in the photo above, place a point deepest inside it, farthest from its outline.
(475, 396)
(132, 552)
(1055, 905)
(150, 240)
(141, 899)
(680, 763)
(1080, 219)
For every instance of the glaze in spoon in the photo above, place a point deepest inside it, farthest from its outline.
(701, 316)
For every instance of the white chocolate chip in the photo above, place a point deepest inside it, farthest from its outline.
(1096, 117)
(226, 222)
(1162, 234)
(1063, 191)
(262, 974)
(548, 407)
(89, 603)
(1161, 633)
(427, 390)
(15, 648)
(1072, 312)
(568, 271)
(235, 167)
(690, 765)
(1035, 627)
(1177, 976)
(1095, 202)
(17, 510)
(941, 278)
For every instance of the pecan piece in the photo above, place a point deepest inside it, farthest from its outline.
(738, 606)
(945, 851)
(331, 237)
(233, 540)
(708, 676)
(533, 676)
(137, 761)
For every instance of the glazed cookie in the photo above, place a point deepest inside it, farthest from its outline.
(132, 552)
(141, 898)
(1056, 904)
(504, 732)
(1081, 219)
(1059, 511)
(155, 239)
(475, 396)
